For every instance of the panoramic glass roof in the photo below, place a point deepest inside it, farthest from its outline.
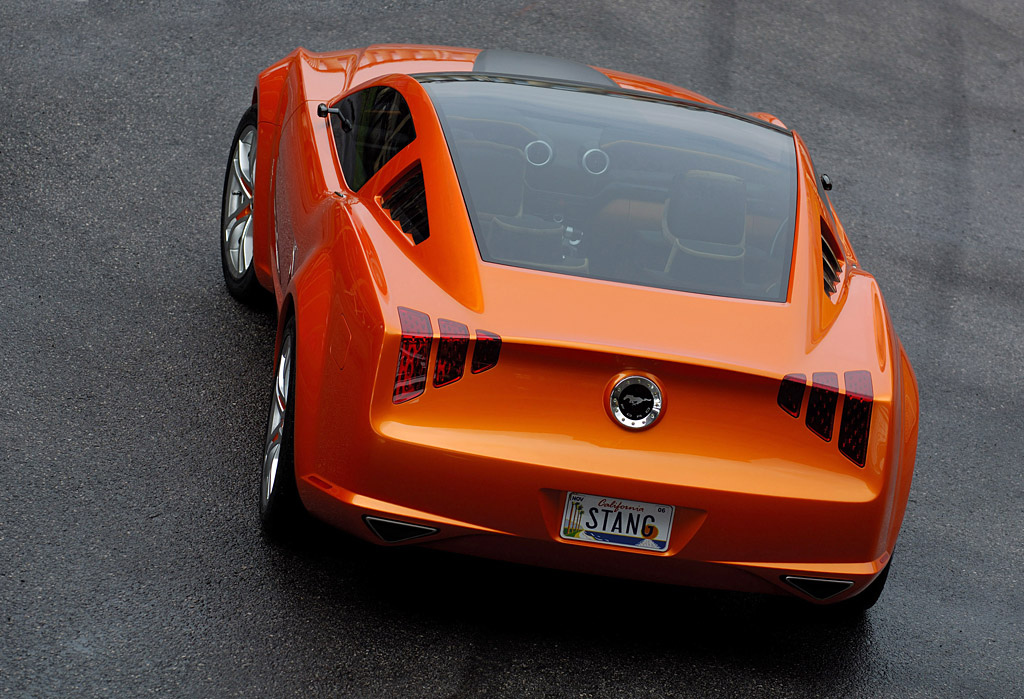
(622, 186)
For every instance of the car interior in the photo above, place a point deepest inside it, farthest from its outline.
(593, 202)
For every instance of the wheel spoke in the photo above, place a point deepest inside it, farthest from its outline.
(242, 208)
(240, 254)
(238, 243)
(276, 423)
(245, 243)
(276, 431)
(251, 157)
(245, 151)
(282, 373)
(273, 428)
(242, 181)
(270, 469)
(233, 234)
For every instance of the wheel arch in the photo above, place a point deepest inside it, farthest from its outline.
(339, 311)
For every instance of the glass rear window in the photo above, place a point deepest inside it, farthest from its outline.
(612, 185)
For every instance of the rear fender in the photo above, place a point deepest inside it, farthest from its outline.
(901, 425)
(335, 296)
(280, 90)
(311, 294)
(909, 406)
(270, 97)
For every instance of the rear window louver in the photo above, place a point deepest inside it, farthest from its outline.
(830, 264)
(406, 204)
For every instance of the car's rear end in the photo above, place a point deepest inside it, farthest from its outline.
(516, 424)
(490, 459)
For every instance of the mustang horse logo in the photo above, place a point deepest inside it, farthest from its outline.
(636, 400)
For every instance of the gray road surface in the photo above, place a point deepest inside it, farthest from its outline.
(133, 387)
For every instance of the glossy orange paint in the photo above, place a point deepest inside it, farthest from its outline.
(488, 459)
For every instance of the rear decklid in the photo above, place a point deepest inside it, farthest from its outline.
(570, 326)
(727, 415)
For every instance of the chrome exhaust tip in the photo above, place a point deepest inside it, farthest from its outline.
(392, 531)
(818, 588)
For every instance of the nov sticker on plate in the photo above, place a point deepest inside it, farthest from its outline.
(628, 523)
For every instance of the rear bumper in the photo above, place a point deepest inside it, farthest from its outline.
(347, 511)
(746, 539)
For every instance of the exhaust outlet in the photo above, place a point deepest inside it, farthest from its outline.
(392, 531)
(818, 588)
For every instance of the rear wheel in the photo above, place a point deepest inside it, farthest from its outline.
(280, 506)
(236, 222)
(866, 599)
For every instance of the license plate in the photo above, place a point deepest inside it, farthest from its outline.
(628, 523)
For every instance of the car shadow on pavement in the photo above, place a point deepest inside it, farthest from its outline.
(499, 603)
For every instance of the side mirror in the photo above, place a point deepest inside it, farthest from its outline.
(323, 111)
(826, 183)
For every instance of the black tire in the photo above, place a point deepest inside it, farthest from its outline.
(281, 509)
(864, 600)
(239, 272)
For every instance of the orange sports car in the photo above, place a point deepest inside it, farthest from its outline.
(567, 316)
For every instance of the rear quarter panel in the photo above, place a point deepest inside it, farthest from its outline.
(281, 90)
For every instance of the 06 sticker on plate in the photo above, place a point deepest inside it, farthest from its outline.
(628, 523)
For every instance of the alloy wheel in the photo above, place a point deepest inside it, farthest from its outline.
(275, 426)
(236, 219)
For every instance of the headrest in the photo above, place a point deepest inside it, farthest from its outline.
(526, 238)
(707, 207)
(493, 174)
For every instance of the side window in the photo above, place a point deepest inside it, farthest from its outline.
(381, 127)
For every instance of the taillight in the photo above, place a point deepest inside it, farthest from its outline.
(791, 393)
(413, 353)
(855, 425)
(451, 352)
(821, 406)
(486, 351)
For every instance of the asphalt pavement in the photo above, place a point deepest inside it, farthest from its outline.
(134, 388)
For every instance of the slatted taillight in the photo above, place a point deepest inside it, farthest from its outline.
(413, 353)
(486, 351)
(791, 393)
(451, 352)
(821, 406)
(855, 425)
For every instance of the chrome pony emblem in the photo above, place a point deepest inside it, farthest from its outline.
(635, 402)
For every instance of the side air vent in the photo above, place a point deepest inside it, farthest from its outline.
(830, 262)
(406, 204)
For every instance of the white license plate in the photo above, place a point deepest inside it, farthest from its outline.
(628, 523)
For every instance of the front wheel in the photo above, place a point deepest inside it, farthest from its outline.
(280, 507)
(236, 220)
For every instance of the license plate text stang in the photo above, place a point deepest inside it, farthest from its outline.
(628, 523)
